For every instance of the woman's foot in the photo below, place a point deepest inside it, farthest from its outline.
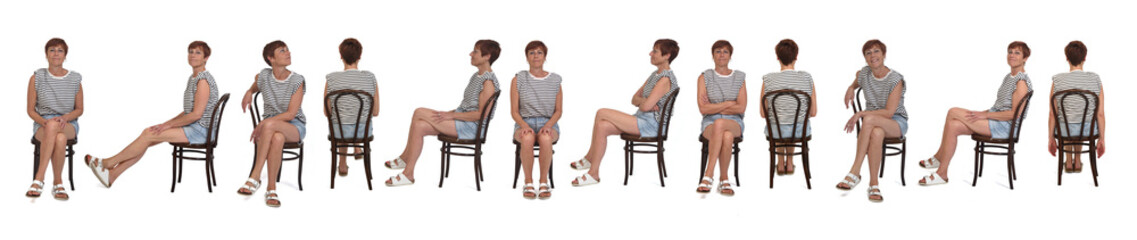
(789, 168)
(528, 191)
(850, 181)
(585, 180)
(724, 187)
(582, 164)
(780, 168)
(544, 192)
(60, 192)
(874, 194)
(1078, 166)
(399, 180)
(250, 187)
(396, 163)
(359, 156)
(705, 185)
(272, 199)
(934, 179)
(343, 169)
(35, 190)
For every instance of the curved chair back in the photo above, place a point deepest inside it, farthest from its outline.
(1020, 115)
(803, 106)
(337, 106)
(214, 128)
(487, 115)
(1058, 102)
(668, 108)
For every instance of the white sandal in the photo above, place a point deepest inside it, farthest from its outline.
(529, 189)
(544, 189)
(38, 189)
(582, 164)
(399, 180)
(99, 170)
(706, 185)
(60, 189)
(724, 185)
(930, 163)
(273, 197)
(876, 193)
(585, 180)
(852, 184)
(396, 164)
(252, 189)
(933, 179)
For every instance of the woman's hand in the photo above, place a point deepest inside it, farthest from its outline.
(440, 116)
(852, 124)
(57, 120)
(973, 116)
(1052, 146)
(525, 129)
(849, 94)
(1101, 147)
(248, 99)
(256, 133)
(547, 130)
(158, 128)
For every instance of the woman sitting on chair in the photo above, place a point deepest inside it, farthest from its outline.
(351, 78)
(282, 92)
(535, 103)
(1077, 79)
(722, 101)
(55, 102)
(883, 117)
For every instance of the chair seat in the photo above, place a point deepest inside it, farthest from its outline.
(290, 145)
(190, 145)
(704, 139)
(988, 139)
(363, 140)
(69, 141)
(788, 140)
(637, 138)
(454, 139)
(1076, 139)
(894, 140)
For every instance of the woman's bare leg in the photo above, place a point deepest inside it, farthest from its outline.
(546, 154)
(526, 140)
(136, 149)
(608, 122)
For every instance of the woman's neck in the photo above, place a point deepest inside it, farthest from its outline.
(1015, 71)
(538, 72)
(880, 72)
(663, 67)
(57, 70)
(280, 71)
(350, 66)
(788, 67)
(723, 70)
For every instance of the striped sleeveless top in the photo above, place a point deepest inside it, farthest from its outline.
(650, 84)
(1004, 100)
(473, 89)
(191, 90)
(353, 79)
(786, 105)
(722, 88)
(56, 95)
(275, 95)
(876, 90)
(1077, 80)
(537, 97)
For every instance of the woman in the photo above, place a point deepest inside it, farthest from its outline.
(883, 117)
(282, 91)
(791, 79)
(190, 125)
(1077, 79)
(651, 96)
(55, 102)
(351, 78)
(535, 104)
(460, 122)
(722, 101)
(994, 122)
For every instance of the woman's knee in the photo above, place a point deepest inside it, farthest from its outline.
(876, 134)
(727, 138)
(526, 137)
(60, 139)
(720, 125)
(545, 139)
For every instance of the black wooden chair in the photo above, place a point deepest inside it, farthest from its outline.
(889, 144)
(1006, 144)
(536, 154)
(450, 143)
(70, 153)
(205, 149)
(633, 141)
(354, 139)
(797, 137)
(1058, 102)
(295, 149)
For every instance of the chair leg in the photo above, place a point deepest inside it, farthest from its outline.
(477, 170)
(254, 167)
(703, 163)
(174, 170)
(299, 170)
(212, 169)
(883, 156)
(1011, 157)
(662, 168)
(442, 164)
(181, 165)
(1094, 161)
(448, 159)
(737, 182)
(551, 184)
(1060, 156)
(662, 163)
(627, 161)
(772, 149)
(71, 166)
(805, 162)
(35, 162)
(631, 158)
(208, 181)
(334, 163)
(1010, 168)
(367, 163)
(975, 173)
(903, 159)
(516, 164)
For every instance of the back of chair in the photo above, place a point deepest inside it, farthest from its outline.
(255, 110)
(857, 107)
(487, 115)
(802, 101)
(1020, 115)
(1058, 104)
(332, 106)
(215, 122)
(665, 123)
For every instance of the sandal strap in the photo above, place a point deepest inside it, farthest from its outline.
(37, 183)
(544, 186)
(855, 178)
(59, 188)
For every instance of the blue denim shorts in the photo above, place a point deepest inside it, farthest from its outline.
(710, 119)
(352, 130)
(1074, 128)
(999, 129)
(299, 128)
(536, 123)
(466, 129)
(902, 122)
(645, 121)
(36, 126)
(785, 130)
(195, 133)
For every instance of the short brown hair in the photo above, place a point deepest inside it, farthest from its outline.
(350, 50)
(55, 42)
(199, 44)
(489, 47)
(1021, 46)
(875, 43)
(535, 44)
(721, 44)
(269, 48)
(787, 51)
(668, 47)
(1076, 52)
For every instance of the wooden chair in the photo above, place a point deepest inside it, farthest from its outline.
(536, 154)
(206, 149)
(633, 141)
(1007, 144)
(354, 140)
(70, 154)
(797, 138)
(297, 154)
(1058, 102)
(889, 144)
(449, 143)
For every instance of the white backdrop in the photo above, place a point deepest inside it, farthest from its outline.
(132, 57)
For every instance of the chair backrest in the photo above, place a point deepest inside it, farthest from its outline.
(214, 128)
(1020, 115)
(487, 115)
(802, 101)
(255, 110)
(1058, 104)
(336, 113)
(665, 124)
(857, 107)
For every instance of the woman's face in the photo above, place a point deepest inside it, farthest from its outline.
(657, 57)
(477, 58)
(56, 55)
(281, 57)
(1015, 57)
(197, 58)
(874, 57)
(535, 57)
(721, 56)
